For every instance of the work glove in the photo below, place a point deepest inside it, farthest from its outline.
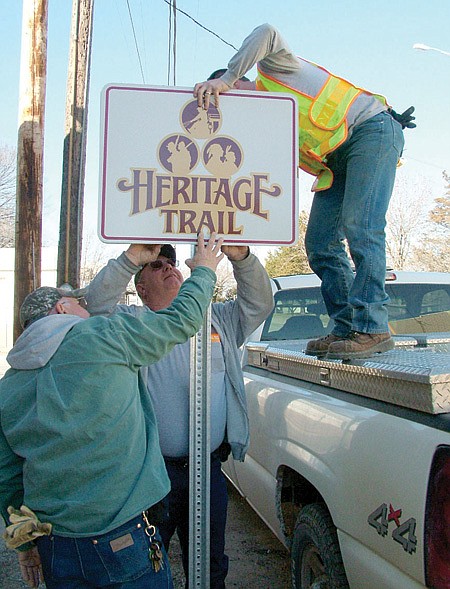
(405, 119)
(25, 527)
(30, 567)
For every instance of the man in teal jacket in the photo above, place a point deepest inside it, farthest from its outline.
(80, 466)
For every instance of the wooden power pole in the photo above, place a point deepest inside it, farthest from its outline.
(30, 153)
(74, 154)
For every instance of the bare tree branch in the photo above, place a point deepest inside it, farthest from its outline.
(405, 221)
(7, 195)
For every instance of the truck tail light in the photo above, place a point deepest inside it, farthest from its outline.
(390, 275)
(437, 522)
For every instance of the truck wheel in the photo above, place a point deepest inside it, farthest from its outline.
(315, 555)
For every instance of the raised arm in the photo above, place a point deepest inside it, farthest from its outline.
(265, 46)
(152, 335)
(104, 291)
(254, 299)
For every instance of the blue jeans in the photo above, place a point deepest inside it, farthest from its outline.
(177, 502)
(116, 560)
(355, 207)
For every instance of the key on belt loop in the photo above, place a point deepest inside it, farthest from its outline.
(150, 529)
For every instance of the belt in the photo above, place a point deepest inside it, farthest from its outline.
(181, 461)
(155, 513)
(221, 453)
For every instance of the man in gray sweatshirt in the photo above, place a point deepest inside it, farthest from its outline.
(168, 380)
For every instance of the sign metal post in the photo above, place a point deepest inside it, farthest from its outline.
(200, 457)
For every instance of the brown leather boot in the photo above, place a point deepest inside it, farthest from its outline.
(319, 347)
(360, 345)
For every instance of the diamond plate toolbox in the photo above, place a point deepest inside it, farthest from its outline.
(417, 378)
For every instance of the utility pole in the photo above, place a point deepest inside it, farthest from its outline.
(74, 153)
(30, 153)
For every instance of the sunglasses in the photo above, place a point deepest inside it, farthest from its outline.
(158, 264)
(82, 302)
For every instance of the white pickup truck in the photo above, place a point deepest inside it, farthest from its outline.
(349, 463)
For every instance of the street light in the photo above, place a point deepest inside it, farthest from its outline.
(423, 47)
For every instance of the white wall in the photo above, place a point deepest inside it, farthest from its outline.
(48, 278)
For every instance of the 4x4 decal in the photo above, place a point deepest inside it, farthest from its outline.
(403, 533)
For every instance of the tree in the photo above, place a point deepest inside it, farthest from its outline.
(226, 288)
(405, 225)
(7, 195)
(287, 261)
(440, 214)
(433, 253)
(95, 255)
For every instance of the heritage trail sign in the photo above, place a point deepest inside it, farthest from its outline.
(169, 168)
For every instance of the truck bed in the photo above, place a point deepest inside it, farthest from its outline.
(416, 374)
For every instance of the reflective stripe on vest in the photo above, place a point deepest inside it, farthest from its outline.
(322, 121)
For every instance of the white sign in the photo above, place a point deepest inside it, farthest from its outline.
(169, 167)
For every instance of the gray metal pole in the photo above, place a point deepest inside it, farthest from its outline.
(200, 457)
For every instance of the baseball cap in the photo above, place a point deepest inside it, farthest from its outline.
(38, 303)
(168, 251)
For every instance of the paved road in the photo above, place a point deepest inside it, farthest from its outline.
(257, 559)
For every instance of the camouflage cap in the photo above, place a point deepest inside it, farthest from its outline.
(38, 303)
(168, 251)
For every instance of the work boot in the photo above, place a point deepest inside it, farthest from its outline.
(319, 347)
(360, 345)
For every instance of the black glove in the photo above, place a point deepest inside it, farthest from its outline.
(405, 119)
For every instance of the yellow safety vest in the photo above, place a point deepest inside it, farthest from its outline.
(322, 121)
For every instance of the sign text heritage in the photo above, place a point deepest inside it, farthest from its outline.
(170, 168)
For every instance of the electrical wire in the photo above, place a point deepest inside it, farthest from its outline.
(173, 9)
(174, 16)
(169, 2)
(135, 41)
(169, 55)
(422, 162)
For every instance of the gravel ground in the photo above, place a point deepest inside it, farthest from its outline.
(257, 559)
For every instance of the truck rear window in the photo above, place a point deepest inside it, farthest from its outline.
(300, 313)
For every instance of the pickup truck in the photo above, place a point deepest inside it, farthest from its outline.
(349, 462)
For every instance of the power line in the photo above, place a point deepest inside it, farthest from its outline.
(172, 44)
(422, 162)
(174, 9)
(169, 55)
(135, 41)
(200, 25)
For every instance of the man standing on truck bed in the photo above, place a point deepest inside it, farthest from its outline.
(351, 140)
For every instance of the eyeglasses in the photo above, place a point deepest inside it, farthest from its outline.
(158, 264)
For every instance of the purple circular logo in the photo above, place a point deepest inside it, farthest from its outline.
(222, 157)
(200, 123)
(178, 154)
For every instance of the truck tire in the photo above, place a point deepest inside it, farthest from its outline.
(315, 555)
